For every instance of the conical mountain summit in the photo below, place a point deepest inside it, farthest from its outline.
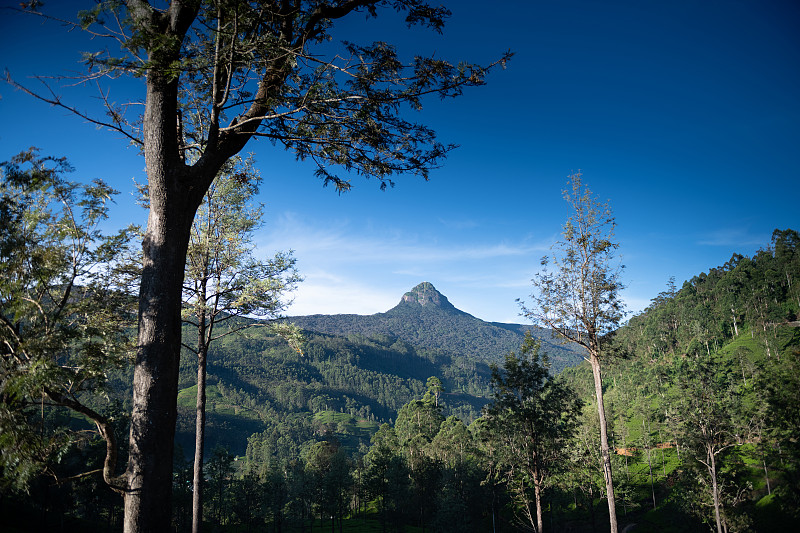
(426, 295)
(426, 319)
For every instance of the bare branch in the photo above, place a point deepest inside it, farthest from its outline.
(55, 100)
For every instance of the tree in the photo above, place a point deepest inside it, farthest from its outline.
(225, 282)
(780, 384)
(460, 498)
(579, 298)
(417, 425)
(710, 419)
(239, 70)
(64, 311)
(532, 416)
(330, 468)
(249, 502)
(436, 388)
(220, 474)
(386, 476)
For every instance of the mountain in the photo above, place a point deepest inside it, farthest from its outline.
(426, 296)
(355, 372)
(426, 319)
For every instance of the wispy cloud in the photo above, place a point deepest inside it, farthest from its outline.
(324, 293)
(353, 269)
(337, 241)
(735, 238)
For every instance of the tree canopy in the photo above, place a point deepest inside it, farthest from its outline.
(579, 298)
(65, 306)
(216, 75)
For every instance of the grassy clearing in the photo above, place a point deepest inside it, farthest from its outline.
(215, 403)
(350, 430)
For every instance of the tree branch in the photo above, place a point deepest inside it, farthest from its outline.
(106, 430)
(55, 100)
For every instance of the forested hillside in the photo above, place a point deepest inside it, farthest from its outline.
(702, 409)
(755, 295)
(258, 382)
(426, 319)
(701, 401)
(364, 374)
(703, 387)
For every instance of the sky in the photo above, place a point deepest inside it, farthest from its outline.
(684, 115)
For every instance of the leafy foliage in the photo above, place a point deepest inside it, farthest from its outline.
(253, 69)
(531, 419)
(579, 298)
(224, 279)
(65, 307)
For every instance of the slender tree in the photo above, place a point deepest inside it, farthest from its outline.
(579, 297)
(711, 419)
(532, 417)
(225, 282)
(243, 69)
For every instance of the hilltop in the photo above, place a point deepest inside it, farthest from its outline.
(355, 373)
(426, 319)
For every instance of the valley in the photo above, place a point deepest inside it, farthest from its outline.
(357, 369)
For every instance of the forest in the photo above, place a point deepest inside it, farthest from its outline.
(148, 383)
(366, 431)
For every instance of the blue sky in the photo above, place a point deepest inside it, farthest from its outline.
(685, 115)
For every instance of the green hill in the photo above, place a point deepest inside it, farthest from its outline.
(426, 319)
(710, 368)
(355, 373)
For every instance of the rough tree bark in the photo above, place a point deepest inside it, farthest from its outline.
(344, 112)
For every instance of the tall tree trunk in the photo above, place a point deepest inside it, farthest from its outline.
(199, 431)
(712, 471)
(537, 494)
(604, 451)
(155, 379)
(175, 193)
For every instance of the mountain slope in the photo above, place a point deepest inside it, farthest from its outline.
(258, 383)
(426, 319)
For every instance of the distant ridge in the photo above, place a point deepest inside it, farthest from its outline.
(426, 319)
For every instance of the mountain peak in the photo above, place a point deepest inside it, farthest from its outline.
(426, 295)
